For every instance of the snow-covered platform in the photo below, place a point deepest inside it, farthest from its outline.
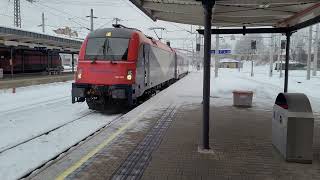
(33, 79)
(160, 138)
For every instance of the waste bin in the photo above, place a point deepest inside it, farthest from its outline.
(292, 127)
(1, 73)
(242, 98)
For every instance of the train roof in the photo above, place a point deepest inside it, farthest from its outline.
(124, 32)
(116, 32)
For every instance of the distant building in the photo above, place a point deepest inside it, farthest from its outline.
(293, 65)
(66, 31)
(229, 63)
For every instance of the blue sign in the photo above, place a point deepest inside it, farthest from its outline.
(222, 51)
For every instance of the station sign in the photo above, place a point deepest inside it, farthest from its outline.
(221, 51)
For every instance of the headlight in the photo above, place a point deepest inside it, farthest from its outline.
(79, 74)
(129, 75)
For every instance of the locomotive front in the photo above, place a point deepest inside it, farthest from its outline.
(106, 68)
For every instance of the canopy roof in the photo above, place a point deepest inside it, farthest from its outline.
(233, 13)
(19, 37)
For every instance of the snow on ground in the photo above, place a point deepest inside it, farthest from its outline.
(272, 85)
(26, 97)
(37, 109)
(19, 161)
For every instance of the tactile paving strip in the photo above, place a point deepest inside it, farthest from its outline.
(135, 164)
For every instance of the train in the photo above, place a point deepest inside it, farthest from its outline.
(118, 66)
(27, 60)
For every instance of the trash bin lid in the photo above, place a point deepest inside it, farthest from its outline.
(242, 92)
(294, 102)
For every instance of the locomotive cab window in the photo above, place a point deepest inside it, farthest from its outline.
(109, 49)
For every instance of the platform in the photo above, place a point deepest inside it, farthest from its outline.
(33, 79)
(160, 140)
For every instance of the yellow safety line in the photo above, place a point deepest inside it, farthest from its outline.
(85, 158)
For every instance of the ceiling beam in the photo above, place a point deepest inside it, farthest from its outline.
(307, 23)
(139, 4)
(259, 2)
(308, 13)
(220, 10)
(246, 31)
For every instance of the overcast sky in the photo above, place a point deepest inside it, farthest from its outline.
(72, 13)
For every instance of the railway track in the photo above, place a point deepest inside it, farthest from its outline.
(2, 150)
(34, 105)
(65, 151)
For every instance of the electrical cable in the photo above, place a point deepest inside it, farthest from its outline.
(69, 19)
(72, 16)
(105, 24)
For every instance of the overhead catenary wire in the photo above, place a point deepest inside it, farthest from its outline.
(80, 24)
(38, 4)
(65, 17)
(104, 24)
(91, 3)
(72, 16)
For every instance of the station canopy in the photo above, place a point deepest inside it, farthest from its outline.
(233, 13)
(21, 38)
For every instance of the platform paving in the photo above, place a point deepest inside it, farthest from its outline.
(241, 149)
(164, 142)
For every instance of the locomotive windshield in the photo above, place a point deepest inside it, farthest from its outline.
(107, 49)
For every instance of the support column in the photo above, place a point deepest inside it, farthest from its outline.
(271, 55)
(216, 56)
(316, 47)
(286, 75)
(11, 61)
(72, 63)
(309, 53)
(22, 59)
(278, 47)
(198, 47)
(207, 5)
(280, 58)
(48, 57)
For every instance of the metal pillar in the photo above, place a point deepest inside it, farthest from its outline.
(216, 64)
(278, 52)
(286, 75)
(11, 61)
(43, 25)
(72, 63)
(198, 47)
(207, 5)
(252, 64)
(309, 53)
(280, 59)
(51, 59)
(48, 56)
(316, 47)
(271, 55)
(22, 59)
(17, 14)
(91, 20)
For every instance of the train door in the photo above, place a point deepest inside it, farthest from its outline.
(146, 63)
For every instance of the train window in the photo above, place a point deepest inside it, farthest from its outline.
(115, 49)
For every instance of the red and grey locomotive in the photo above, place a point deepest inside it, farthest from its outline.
(119, 65)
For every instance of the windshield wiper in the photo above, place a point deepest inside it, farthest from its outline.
(108, 47)
(94, 59)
